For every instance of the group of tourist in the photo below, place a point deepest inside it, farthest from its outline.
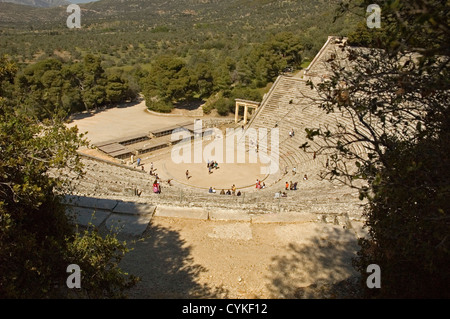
(294, 170)
(254, 145)
(259, 184)
(291, 186)
(231, 191)
(212, 165)
(156, 183)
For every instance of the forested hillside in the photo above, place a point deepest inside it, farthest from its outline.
(223, 48)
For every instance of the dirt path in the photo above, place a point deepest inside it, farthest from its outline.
(183, 258)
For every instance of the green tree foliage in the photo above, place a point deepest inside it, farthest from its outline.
(153, 104)
(117, 89)
(96, 87)
(8, 70)
(287, 46)
(203, 78)
(267, 60)
(44, 86)
(365, 37)
(98, 257)
(222, 74)
(246, 93)
(172, 79)
(223, 106)
(398, 101)
(37, 241)
(52, 88)
(91, 81)
(168, 79)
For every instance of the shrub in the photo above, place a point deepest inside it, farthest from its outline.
(159, 106)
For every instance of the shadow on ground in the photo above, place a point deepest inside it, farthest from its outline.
(163, 262)
(318, 268)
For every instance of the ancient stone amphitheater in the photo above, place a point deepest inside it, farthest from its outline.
(109, 186)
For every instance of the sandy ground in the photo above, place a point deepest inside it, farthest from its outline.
(184, 258)
(127, 120)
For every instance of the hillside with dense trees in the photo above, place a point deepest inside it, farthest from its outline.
(222, 46)
(51, 88)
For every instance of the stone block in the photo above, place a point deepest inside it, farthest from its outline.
(83, 216)
(70, 199)
(130, 208)
(129, 191)
(106, 204)
(132, 225)
(90, 202)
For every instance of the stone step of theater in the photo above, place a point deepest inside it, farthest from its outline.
(105, 198)
(107, 181)
(232, 207)
(292, 105)
(280, 103)
(130, 217)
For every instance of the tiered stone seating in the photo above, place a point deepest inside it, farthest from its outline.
(103, 179)
(313, 198)
(288, 105)
(292, 104)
